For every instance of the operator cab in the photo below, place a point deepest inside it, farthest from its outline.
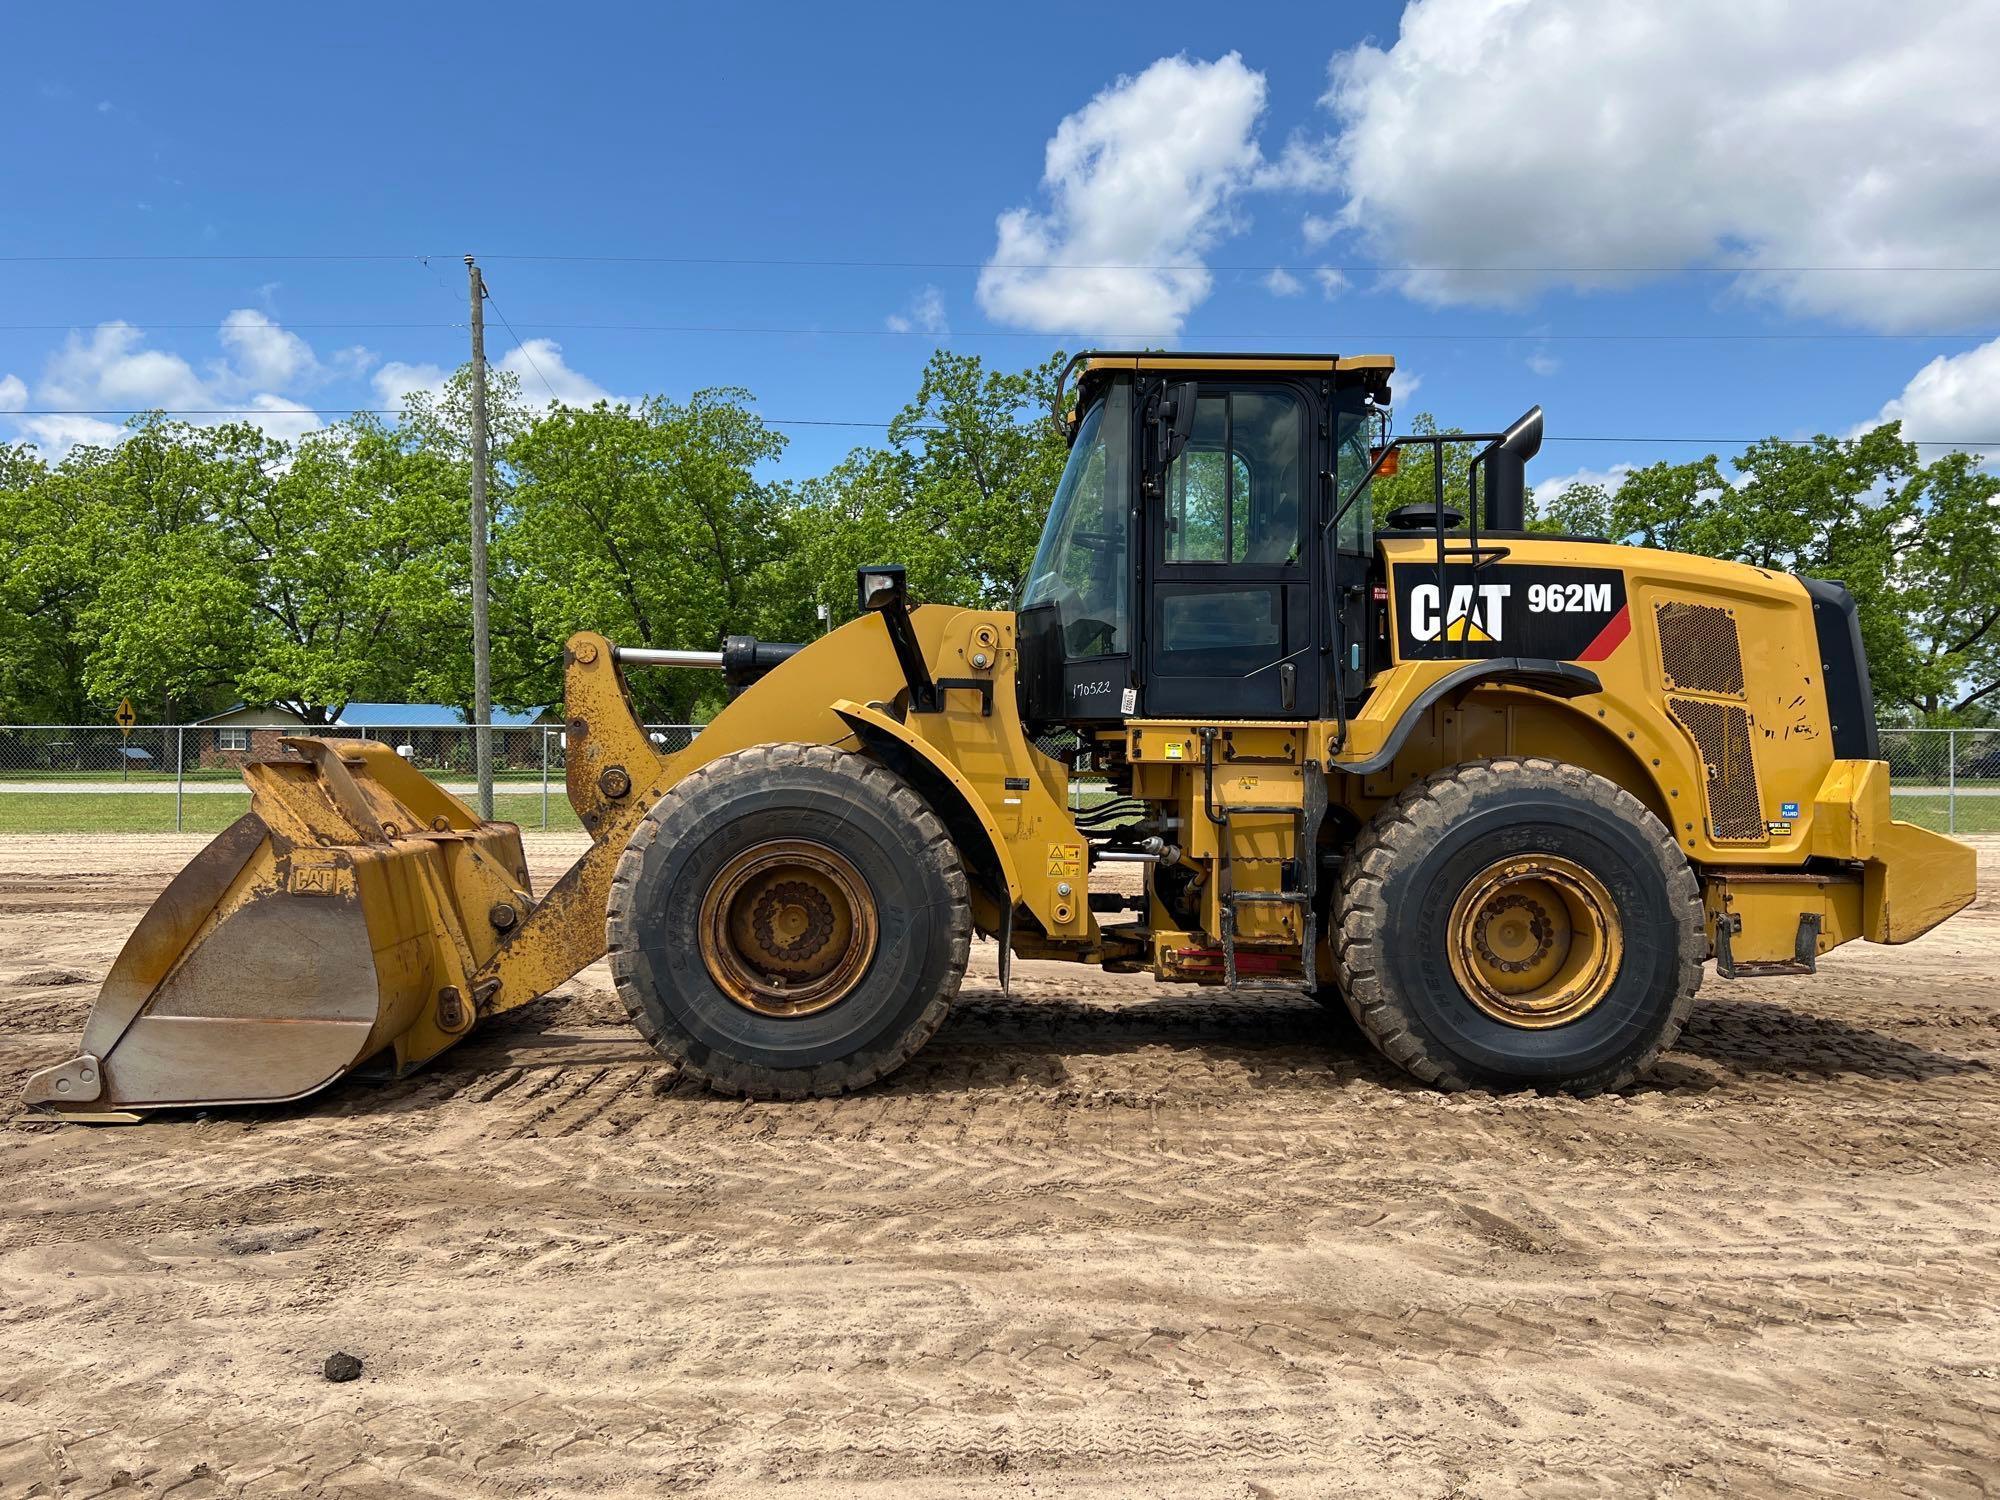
(1196, 559)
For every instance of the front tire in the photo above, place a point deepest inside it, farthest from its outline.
(790, 921)
(1513, 924)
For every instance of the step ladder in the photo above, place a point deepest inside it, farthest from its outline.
(1303, 866)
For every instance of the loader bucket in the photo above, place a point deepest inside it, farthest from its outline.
(336, 922)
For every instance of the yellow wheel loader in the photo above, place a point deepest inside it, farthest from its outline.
(1498, 793)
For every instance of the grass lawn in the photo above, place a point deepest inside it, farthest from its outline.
(1932, 809)
(152, 812)
(156, 777)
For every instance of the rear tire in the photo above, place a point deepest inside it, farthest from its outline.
(1513, 924)
(788, 922)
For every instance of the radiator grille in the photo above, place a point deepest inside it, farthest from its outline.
(1721, 733)
(1699, 648)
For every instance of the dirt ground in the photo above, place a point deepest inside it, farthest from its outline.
(1108, 1238)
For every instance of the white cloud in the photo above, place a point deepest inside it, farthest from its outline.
(1140, 184)
(1331, 282)
(286, 420)
(57, 435)
(547, 379)
(1954, 399)
(924, 313)
(1303, 167)
(95, 378)
(1607, 480)
(1543, 363)
(1282, 283)
(1763, 138)
(261, 353)
(397, 381)
(265, 376)
(1404, 386)
(1317, 230)
(110, 368)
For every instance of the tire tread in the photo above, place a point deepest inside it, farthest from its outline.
(870, 780)
(1405, 827)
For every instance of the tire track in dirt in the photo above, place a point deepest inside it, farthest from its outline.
(1103, 1238)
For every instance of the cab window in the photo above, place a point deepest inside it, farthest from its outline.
(1233, 495)
(1081, 566)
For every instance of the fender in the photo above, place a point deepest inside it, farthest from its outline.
(1559, 679)
(918, 762)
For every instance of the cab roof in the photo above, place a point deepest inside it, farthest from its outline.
(1369, 370)
(1093, 360)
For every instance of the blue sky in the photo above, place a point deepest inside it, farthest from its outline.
(1708, 155)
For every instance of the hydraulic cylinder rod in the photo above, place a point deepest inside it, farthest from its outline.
(645, 656)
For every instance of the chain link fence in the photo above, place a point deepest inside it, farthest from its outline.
(1947, 779)
(53, 775)
(46, 769)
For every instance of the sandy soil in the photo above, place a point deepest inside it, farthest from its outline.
(1109, 1238)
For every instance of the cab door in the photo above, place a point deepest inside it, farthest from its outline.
(1232, 626)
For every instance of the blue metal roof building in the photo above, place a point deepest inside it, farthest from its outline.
(376, 716)
(425, 716)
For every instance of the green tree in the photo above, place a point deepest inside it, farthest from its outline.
(650, 524)
(1946, 588)
(172, 616)
(304, 576)
(49, 580)
(985, 454)
(958, 496)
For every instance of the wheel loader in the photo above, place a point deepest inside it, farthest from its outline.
(1499, 794)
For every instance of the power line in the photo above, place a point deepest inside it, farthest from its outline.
(149, 326)
(521, 346)
(334, 411)
(1357, 267)
(1347, 337)
(306, 256)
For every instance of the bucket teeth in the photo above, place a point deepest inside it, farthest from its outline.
(78, 1081)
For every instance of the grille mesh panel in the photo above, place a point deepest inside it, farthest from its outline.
(1699, 648)
(1721, 733)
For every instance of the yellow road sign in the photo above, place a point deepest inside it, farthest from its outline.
(126, 717)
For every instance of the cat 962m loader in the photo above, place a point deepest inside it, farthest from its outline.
(1499, 793)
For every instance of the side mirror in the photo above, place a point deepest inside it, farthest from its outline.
(882, 591)
(881, 588)
(1171, 415)
(1505, 462)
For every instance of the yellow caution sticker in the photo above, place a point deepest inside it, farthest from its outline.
(1175, 750)
(1065, 861)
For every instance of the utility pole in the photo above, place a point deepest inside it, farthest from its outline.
(482, 657)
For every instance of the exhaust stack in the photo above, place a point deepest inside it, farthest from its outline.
(1506, 472)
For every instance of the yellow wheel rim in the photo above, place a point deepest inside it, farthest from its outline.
(788, 928)
(1535, 941)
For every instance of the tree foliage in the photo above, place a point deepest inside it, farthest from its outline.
(189, 567)
(649, 524)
